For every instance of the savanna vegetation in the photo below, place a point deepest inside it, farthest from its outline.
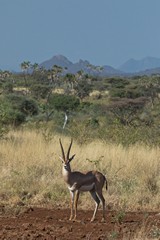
(31, 171)
(114, 110)
(115, 124)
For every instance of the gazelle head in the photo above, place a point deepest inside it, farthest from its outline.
(66, 159)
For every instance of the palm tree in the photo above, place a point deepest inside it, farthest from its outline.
(25, 67)
(70, 80)
(54, 73)
(35, 67)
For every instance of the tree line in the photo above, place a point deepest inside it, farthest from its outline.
(103, 107)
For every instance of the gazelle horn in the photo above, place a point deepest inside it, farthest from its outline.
(69, 149)
(63, 155)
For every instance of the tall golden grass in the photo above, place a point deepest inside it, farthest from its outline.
(30, 171)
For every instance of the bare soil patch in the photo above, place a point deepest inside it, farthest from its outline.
(42, 223)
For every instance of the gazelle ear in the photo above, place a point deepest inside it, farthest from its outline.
(70, 159)
(61, 159)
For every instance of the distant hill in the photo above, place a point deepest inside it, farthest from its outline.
(134, 66)
(84, 65)
(58, 60)
(148, 72)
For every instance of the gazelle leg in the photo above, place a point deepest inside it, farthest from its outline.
(97, 201)
(72, 204)
(100, 195)
(76, 203)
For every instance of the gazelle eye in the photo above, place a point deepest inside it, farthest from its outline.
(65, 166)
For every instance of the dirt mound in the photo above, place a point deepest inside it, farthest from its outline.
(40, 223)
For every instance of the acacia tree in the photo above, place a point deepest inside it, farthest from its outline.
(150, 86)
(125, 110)
(61, 103)
(83, 88)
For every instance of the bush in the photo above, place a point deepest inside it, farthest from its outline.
(14, 109)
(63, 102)
(7, 87)
(23, 104)
(13, 117)
(83, 88)
(28, 107)
(40, 90)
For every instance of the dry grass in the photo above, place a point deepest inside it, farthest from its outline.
(30, 171)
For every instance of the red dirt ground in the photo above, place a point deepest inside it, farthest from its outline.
(42, 223)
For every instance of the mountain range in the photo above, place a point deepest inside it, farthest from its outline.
(145, 66)
(132, 65)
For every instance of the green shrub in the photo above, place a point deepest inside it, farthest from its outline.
(40, 90)
(28, 107)
(63, 102)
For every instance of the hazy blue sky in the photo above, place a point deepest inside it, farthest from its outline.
(104, 32)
